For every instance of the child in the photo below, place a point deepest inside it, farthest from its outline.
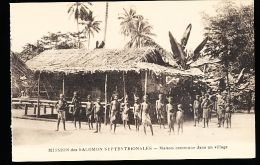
(61, 106)
(126, 113)
(76, 102)
(98, 113)
(179, 118)
(114, 112)
(228, 110)
(89, 112)
(196, 109)
(171, 111)
(160, 110)
(205, 106)
(137, 113)
(146, 120)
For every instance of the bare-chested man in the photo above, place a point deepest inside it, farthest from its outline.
(77, 110)
(179, 118)
(89, 112)
(114, 112)
(137, 113)
(125, 113)
(146, 120)
(220, 102)
(171, 113)
(61, 106)
(98, 114)
(228, 110)
(196, 109)
(160, 110)
(205, 106)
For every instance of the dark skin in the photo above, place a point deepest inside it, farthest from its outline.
(160, 109)
(89, 107)
(98, 108)
(126, 109)
(115, 106)
(145, 108)
(76, 102)
(195, 105)
(59, 119)
(137, 107)
(170, 112)
(206, 120)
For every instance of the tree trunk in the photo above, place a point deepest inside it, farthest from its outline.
(78, 31)
(106, 22)
(88, 40)
(227, 85)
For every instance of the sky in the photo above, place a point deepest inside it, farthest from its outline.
(30, 21)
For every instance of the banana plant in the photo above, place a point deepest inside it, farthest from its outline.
(178, 49)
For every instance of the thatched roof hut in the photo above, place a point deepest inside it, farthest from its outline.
(103, 60)
(18, 67)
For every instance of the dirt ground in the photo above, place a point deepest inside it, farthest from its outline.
(33, 132)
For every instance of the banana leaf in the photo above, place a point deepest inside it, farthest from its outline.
(199, 48)
(239, 78)
(185, 36)
(177, 51)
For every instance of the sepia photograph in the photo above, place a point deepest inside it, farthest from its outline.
(132, 80)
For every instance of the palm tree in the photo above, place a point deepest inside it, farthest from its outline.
(79, 9)
(91, 25)
(106, 17)
(140, 34)
(128, 17)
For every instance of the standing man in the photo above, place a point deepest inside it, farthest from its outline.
(145, 109)
(220, 102)
(249, 101)
(125, 113)
(114, 112)
(137, 113)
(205, 107)
(61, 106)
(76, 102)
(196, 109)
(171, 113)
(89, 112)
(98, 114)
(160, 110)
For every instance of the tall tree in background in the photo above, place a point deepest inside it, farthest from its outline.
(80, 10)
(106, 17)
(91, 25)
(127, 20)
(231, 35)
(140, 33)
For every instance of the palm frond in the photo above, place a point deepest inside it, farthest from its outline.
(199, 48)
(176, 49)
(185, 36)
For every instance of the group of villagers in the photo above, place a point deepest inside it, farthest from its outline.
(174, 113)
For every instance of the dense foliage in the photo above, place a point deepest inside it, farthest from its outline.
(231, 35)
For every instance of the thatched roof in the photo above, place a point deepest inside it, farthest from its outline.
(18, 67)
(101, 60)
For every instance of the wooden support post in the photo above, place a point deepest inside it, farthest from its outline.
(124, 84)
(34, 109)
(44, 109)
(145, 83)
(38, 99)
(25, 109)
(63, 85)
(105, 120)
(52, 110)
